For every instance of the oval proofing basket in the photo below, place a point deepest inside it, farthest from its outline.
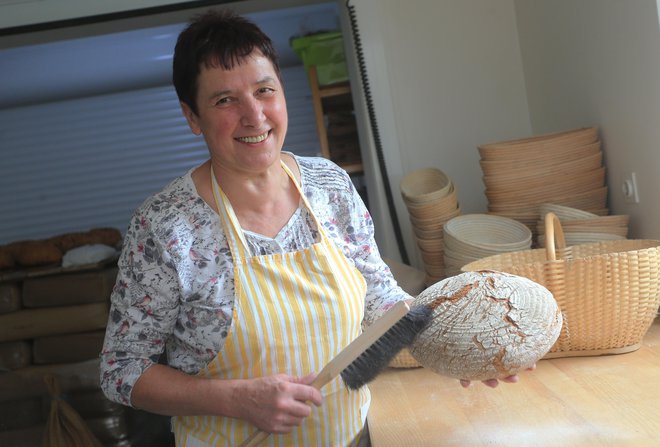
(609, 291)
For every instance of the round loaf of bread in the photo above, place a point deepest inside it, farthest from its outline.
(34, 253)
(6, 258)
(486, 325)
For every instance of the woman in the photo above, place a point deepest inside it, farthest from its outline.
(252, 270)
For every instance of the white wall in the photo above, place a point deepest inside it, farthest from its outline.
(597, 62)
(446, 76)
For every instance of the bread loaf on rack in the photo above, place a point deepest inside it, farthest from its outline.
(33, 253)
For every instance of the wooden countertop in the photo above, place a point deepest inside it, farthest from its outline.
(611, 400)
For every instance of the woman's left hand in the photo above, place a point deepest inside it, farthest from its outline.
(492, 383)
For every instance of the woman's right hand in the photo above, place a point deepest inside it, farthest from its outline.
(276, 404)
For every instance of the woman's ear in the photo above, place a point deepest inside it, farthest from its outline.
(191, 118)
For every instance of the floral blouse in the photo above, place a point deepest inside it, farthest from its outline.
(175, 287)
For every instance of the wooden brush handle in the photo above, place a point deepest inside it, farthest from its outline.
(346, 357)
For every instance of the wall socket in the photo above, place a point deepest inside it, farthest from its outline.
(629, 189)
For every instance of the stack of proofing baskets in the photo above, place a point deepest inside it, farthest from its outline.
(564, 168)
(608, 291)
(430, 197)
(583, 227)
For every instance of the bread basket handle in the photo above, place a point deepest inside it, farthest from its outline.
(554, 236)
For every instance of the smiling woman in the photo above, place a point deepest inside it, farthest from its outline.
(252, 270)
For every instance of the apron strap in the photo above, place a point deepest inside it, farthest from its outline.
(232, 228)
(235, 235)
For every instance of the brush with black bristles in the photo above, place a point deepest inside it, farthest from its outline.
(366, 356)
(379, 354)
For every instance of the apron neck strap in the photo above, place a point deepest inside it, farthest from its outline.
(233, 231)
(232, 228)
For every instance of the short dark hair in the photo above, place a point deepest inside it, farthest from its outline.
(216, 38)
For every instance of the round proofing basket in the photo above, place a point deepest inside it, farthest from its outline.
(522, 164)
(584, 159)
(594, 201)
(430, 245)
(583, 238)
(427, 234)
(543, 190)
(424, 185)
(591, 229)
(618, 230)
(608, 291)
(564, 212)
(610, 221)
(434, 208)
(538, 148)
(434, 223)
(541, 172)
(487, 232)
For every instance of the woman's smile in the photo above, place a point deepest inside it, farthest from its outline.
(254, 139)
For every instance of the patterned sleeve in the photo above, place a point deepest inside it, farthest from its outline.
(144, 307)
(348, 220)
(382, 289)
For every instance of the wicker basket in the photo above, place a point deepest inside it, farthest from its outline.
(609, 291)
(404, 360)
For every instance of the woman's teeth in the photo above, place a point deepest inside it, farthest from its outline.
(257, 139)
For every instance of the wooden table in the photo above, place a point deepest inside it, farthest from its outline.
(609, 400)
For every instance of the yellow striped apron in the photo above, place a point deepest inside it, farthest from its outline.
(293, 313)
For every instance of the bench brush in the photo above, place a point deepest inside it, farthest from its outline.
(378, 356)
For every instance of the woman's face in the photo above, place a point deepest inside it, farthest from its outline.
(241, 114)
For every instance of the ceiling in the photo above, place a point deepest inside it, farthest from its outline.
(126, 60)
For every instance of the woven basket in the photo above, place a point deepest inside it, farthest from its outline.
(404, 360)
(425, 185)
(540, 147)
(609, 291)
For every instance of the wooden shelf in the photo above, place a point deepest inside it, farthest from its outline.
(335, 90)
(319, 93)
(352, 168)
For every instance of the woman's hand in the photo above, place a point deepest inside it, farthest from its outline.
(492, 383)
(276, 404)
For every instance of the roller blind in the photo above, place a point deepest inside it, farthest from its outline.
(85, 163)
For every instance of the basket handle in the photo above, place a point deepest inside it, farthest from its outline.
(554, 236)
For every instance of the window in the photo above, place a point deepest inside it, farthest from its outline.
(85, 163)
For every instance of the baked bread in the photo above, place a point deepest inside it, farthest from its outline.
(105, 236)
(66, 242)
(34, 253)
(6, 258)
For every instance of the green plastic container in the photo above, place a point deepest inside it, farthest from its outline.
(326, 51)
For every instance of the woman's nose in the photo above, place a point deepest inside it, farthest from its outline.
(252, 113)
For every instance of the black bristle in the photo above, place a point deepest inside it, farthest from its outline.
(371, 362)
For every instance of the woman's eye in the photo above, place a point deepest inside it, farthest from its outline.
(266, 90)
(224, 100)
